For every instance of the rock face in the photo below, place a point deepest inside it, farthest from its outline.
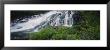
(65, 18)
(37, 22)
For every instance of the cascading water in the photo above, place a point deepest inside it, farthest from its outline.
(37, 22)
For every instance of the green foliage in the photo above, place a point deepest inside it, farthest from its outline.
(44, 34)
(59, 36)
(87, 29)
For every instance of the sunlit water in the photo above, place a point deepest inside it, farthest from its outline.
(53, 18)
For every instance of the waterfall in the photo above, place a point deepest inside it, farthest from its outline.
(37, 22)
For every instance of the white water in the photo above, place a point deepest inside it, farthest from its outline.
(39, 21)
